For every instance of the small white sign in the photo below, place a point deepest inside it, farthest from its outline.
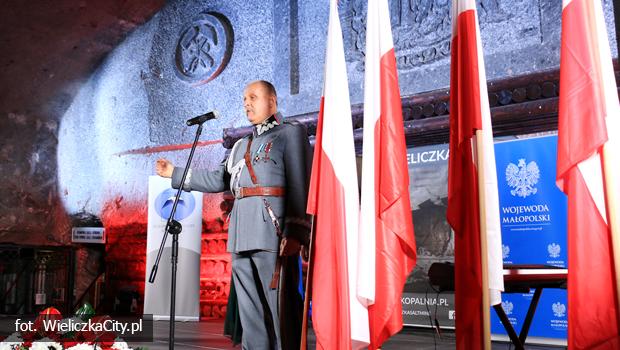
(88, 235)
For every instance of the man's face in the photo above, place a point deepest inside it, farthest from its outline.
(258, 103)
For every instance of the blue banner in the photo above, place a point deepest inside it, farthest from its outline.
(533, 216)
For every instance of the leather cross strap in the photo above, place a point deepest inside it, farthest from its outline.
(260, 191)
(248, 162)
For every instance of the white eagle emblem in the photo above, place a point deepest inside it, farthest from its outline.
(554, 250)
(507, 306)
(505, 251)
(559, 309)
(522, 178)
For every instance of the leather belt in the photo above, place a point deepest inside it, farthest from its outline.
(259, 191)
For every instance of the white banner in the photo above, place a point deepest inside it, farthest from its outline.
(189, 214)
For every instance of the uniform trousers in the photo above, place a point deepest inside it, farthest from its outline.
(258, 304)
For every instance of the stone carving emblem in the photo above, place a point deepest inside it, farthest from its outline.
(204, 48)
(522, 178)
(421, 29)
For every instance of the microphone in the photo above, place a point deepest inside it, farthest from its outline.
(203, 118)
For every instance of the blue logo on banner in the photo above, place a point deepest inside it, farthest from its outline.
(533, 216)
(164, 201)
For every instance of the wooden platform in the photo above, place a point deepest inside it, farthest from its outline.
(208, 335)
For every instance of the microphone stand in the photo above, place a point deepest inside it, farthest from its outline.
(174, 228)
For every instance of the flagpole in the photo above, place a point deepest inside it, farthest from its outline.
(484, 257)
(610, 149)
(304, 325)
(611, 186)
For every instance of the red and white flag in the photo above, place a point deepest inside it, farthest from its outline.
(339, 319)
(387, 243)
(588, 154)
(473, 204)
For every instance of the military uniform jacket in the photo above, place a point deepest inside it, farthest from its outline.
(281, 157)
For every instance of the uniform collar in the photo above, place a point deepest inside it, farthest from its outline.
(267, 124)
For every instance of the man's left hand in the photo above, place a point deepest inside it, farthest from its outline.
(289, 246)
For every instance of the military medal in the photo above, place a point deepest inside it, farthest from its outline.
(267, 149)
(257, 156)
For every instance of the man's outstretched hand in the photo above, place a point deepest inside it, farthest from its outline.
(164, 168)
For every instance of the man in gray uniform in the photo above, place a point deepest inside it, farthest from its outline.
(268, 173)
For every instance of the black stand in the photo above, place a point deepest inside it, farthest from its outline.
(517, 279)
(174, 228)
(519, 341)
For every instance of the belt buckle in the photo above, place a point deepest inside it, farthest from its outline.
(238, 193)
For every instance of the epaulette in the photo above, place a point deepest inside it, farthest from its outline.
(292, 122)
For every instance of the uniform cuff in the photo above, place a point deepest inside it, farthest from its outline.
(297, 228)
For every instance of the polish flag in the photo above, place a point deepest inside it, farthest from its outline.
(339, 319)
(588, 171)
(387, 245)
(473, 203)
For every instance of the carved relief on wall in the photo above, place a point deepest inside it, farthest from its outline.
(204, 48)
(422, 29)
